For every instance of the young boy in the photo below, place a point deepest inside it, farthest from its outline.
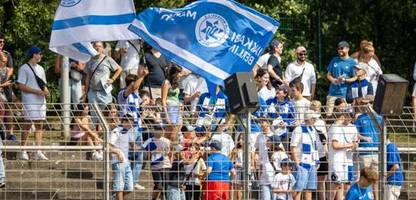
(284, 181)
(362, 189)
(159, 149)
(120, 139)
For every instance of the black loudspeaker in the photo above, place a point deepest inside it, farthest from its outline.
(242, 93)
(390, 94)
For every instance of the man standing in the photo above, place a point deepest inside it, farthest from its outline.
(302, 70)
(273, 64)
(32, 82)
(340, 74)
(98, 82)
(304, 149)
(158, 66)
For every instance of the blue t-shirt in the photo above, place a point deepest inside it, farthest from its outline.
(393, 157)
(339, 67)
(367, 128)
(358, 193)
(221, 166)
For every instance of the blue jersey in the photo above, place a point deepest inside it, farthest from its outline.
(393, 158)
(367, 128)
(339, 67)
(359, 88)
(358, 193)
(284, 109)
(221, 166)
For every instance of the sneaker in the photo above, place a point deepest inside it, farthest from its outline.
(24, 156)
(2, 185)
(139, 187)
(40, 156)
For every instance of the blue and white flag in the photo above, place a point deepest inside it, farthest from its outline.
(213, 38)
(78, 22)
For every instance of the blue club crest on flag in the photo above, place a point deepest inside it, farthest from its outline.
(213, 38)
(69, 3)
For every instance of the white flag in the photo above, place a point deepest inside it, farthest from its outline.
(78, 22)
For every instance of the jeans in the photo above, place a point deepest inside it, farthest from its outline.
(266, 192)
(2, 172)
(137, 162)
(75, 90)
(175, 193)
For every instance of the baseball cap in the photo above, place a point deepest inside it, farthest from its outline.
(343, 44)
(215, 144)
(363, 66)
(286, 162)
(33, 50)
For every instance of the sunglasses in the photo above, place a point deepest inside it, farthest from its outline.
(2, 41)
(302, 54)
(340, 48)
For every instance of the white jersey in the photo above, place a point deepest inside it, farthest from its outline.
(284, 182)
(121, 138)
(344, 135)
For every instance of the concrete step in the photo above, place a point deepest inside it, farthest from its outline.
(54, 164)
(52, 182)
(56, 173)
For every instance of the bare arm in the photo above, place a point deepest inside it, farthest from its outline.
(338, 146)
(294, 150)
(331, 78)
(27, 89)
(273, 74)
(313, 89)
(116, 74)
(165, 89)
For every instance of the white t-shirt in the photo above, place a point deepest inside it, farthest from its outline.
(194, 180)
(131, 59)
(194, 84)
(374, 70)
(261, 147)
(26, 77)
(163, 149)
(301, 107)
(294, 70)
(226, 141)
(266, 94)
(344, 135)
(121, 138)
(262, 61)
(284, 182)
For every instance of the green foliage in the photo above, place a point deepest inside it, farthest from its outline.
(391, 25)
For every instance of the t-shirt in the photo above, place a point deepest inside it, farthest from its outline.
(261, 146)
(157, 69)
(221, 166)
(267, 174)
(103, 72)
(130, 104)
(262, 62)
(301, 107)
(344, 135)
(159, 149)
(131, 59)
(284, 182)
(340, 67)
(26, 77)
(374, 70)
(275, 63)
(121, 138)
(294, 70)
(358, 193)
(195, 84)
(277, 158)
(266, 93)
(194, 180)
(393, 158)
(367, 128)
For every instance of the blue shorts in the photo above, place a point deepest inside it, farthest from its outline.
(122, 177)
(306, 178)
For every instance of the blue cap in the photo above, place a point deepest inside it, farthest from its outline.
(215, 144)
(286, 162)
(274, 139)
(33, 50)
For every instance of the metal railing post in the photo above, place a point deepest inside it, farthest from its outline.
(66, 98)
(105, 150)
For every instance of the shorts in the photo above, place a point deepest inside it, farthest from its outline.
(323, 166)
(159, 179)
(34, 111)
(216, 190)
(306, 178)
(340, 173)
(122, 177)
(156, 92)
(369, 161)
(392, 192)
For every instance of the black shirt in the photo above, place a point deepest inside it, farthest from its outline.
(274, 62)
(177, 173)
(157, 69)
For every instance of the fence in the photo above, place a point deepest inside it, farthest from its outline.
(75, 170)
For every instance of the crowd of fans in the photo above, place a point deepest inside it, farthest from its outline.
(180, 124)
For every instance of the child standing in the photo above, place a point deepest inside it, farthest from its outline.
(284, 181)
